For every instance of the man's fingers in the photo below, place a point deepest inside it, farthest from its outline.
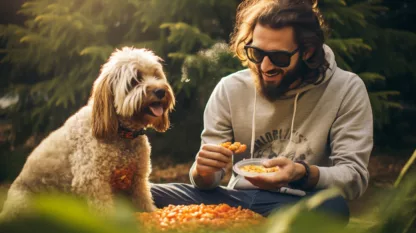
(203, 170)
(279, 161)
(211, 163)
(277, 179)
(217, 148)
(214, 156)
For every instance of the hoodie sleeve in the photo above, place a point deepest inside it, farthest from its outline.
(351, 142)
(217, 125)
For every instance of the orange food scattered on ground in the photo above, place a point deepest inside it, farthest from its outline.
(189, 217)
(258, 169)
(236, 147)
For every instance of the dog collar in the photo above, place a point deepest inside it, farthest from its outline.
(128, 133)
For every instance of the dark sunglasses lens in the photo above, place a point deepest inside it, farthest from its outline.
(280, 59)
(254, 55)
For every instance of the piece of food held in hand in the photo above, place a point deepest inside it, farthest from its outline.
(236, 147)
(259, 169)
(188, 218)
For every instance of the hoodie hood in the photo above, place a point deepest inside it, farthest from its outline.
(330, 57)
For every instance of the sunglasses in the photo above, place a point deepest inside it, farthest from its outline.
(279, 58)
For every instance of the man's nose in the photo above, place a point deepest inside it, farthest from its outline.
(159, 93)
(266, 64)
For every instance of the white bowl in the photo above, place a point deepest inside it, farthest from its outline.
(244, 162)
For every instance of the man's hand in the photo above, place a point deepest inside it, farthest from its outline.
(212, 158)
(288, 171)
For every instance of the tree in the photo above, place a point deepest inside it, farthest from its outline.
(396, 46)
(377, 51)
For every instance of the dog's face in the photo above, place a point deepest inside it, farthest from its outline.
(132, 90)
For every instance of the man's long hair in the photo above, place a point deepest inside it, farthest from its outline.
(302, 15)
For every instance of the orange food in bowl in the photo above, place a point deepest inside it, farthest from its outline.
(258, 169)
(192, 217)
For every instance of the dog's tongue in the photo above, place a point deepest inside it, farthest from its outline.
(157, 110)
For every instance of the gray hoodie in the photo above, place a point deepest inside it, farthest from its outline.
(329, 125)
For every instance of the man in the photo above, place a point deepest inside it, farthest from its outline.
(293, 105)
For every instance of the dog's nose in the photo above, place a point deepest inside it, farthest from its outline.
(159, 93)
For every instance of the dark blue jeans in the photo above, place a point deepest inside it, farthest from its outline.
(260, 201)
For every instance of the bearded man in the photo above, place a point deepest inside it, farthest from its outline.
(293, 106)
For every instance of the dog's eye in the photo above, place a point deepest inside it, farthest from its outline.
(139, 75)
(133, 82)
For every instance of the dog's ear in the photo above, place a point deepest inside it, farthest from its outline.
(104, 117)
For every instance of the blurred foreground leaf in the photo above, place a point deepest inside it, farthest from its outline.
(299, 218)
(66, 214)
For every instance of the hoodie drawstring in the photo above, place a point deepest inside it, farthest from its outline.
(293, 118)
(253, 124)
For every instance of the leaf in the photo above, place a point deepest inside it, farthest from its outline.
(371, 78)
(32, 38)
(101, 52)
(405, 169)
(288, 219)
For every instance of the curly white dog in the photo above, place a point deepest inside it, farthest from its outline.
(102, 150)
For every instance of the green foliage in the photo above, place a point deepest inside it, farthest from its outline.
(357, 41)
(398, 212)
(405, 169)
(299, 218)
(58, 213)
(185, 36)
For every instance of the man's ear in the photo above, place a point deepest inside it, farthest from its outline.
(308, 53)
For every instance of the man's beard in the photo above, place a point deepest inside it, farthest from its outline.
(275, 91)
